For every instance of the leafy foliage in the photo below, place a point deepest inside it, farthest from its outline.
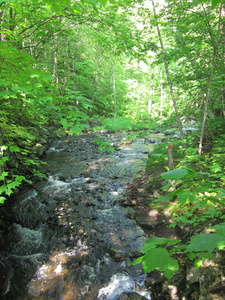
(116, 124)
(206, 242)
(199, 203)
(175, 174)
(158, 257)
(104, 145)
(195, 201)
(8, 182)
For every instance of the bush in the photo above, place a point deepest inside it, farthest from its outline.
(119, 123)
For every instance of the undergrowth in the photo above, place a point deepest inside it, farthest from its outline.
(194, 192)
(124, 124)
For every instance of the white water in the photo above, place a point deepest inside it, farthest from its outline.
(118, 284)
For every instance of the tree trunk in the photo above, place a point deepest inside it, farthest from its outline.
(114, 90)
(222, 30)
(168, 76)
(55, 61)
(151, 93)
(2, 15)
(206, 102)
(161, 102)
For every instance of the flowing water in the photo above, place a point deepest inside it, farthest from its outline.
(71, 236)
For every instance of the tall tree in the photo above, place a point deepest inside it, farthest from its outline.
(168, 76)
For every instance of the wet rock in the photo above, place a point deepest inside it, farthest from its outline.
(153, 278)
(158, 285)
(122, 286)
(13, 163)
(131, 296)
(103, 131)
(39, 149)
(24, 268)
(118, 254)
(118, 284)
(28, 210)
(206, 278)
(150, 141)
(150, 225)
(169, 132)
(6, 273)
(23, 241)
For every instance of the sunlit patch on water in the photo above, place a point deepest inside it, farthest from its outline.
(55, 279)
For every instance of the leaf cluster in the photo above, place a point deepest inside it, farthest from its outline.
(104, 145)
(195, 200)
(157, 257)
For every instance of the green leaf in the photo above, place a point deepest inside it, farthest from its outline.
(3, 160)
(220, 228)
(97, 141)
(172, 225)
(220, 195)
(198, 263)
(103, 2)
(153, 242)
(215, 168)
(10, 1)
(14, 149)
(175, 174)
(166, 187)
(202, 189)
(3, 175)
(159, 259)
(66, 124)
(37, 173)
(165, 198)
(206, 242)
(45, 99)
(137, 261)
(34, 76)
(215, 2)
(47, 78)
(76, 129)
(183, 196)
(2, 200)
(38, 85)
(110, 149)
(203, 173)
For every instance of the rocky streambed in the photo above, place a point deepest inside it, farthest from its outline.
(73, 235)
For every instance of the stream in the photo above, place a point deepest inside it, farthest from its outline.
(72, 237)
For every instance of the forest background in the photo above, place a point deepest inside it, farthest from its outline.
(145, 65)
